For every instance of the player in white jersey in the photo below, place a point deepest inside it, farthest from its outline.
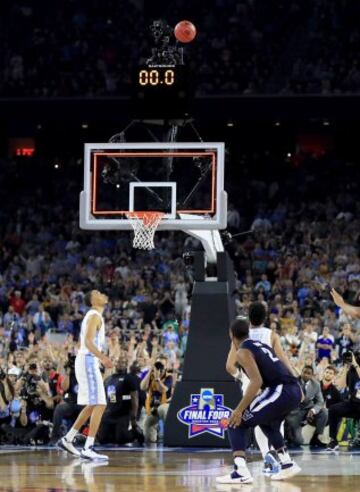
(91, 391)
(258, 332)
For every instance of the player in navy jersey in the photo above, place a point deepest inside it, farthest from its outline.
(280, 393)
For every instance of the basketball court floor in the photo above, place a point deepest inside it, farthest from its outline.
(164, 469)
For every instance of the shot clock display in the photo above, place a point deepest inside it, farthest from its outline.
(157, 76)
(161, 91)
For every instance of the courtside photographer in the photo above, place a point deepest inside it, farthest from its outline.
(348, 381)
(36, 406)
(158, 385)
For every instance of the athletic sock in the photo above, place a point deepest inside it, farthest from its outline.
(241, 466)
(71, 434)
(89, 442)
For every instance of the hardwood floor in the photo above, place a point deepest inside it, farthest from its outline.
(164, 470)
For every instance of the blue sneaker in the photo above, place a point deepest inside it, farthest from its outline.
(271, 464)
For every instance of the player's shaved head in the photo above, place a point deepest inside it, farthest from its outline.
(239, 328)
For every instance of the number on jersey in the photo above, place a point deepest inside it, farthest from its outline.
(266, 351)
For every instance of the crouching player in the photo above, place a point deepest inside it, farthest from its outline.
(280, 394)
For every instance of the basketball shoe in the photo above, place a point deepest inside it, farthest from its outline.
(91, 454)
(68, 446)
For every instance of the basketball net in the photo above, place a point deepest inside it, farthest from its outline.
(144, 225)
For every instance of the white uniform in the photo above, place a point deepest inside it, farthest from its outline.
(87, 369)
(260, 334)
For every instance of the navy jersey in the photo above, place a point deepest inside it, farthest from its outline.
(272, 370)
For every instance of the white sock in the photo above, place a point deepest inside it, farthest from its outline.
(89, 442)
(284, 456)
(71, 434)
(241, 464)
(263, 441)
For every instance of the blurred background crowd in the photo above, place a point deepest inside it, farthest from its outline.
(305, 239)
(90, 48)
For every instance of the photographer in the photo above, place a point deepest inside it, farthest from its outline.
(36, 406)
(68, 408)
(349, 379)
(158, 385)
(6, 396)
(122, 407)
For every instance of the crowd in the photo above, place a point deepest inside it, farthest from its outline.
(305, 240)
(243, 47)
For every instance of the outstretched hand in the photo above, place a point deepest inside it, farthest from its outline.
(338, 299)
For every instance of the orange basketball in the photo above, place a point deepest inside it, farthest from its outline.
(224, 423)
(185, 31)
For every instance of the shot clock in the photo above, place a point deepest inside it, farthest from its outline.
(156, 76)
(161, 91)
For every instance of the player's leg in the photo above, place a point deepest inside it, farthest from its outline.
(268, 410)
(265, 411)
(98, 397)
(66, 443)
(239, 440)
(288, 468)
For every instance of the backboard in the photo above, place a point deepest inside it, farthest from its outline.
(183, 180)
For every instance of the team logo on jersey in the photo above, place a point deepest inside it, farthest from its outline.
(206, 413)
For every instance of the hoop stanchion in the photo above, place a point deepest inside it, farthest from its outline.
(145, 225)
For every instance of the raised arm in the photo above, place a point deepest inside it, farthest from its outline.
(276, 344)
(353, 311)
(246, 360)
(231, 362)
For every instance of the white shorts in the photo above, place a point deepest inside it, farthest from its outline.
(91, 386)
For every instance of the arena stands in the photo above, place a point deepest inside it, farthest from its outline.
(89, 48)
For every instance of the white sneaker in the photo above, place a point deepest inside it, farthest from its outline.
(90, 454)
(68, 446)
(237, 476)
(287, 470)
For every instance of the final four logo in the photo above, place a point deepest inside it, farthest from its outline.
(206, 413)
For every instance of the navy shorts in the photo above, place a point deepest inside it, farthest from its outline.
(272, 405)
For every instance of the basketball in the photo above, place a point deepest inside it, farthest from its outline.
(224, 423)
(185, 31)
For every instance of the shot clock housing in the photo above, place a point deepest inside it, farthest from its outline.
(162, 87)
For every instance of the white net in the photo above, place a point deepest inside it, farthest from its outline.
(145, 225)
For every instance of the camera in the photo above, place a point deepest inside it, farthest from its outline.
(159, 366)
(347, 357)
(29, 390)
(188, 258)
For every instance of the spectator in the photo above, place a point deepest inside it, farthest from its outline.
(349, 379)
(345, 341)
(325, 344)
(42, 321)
(330, 392)
(311, 410)
(67, 409)
(17, 302)
(122, 406)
